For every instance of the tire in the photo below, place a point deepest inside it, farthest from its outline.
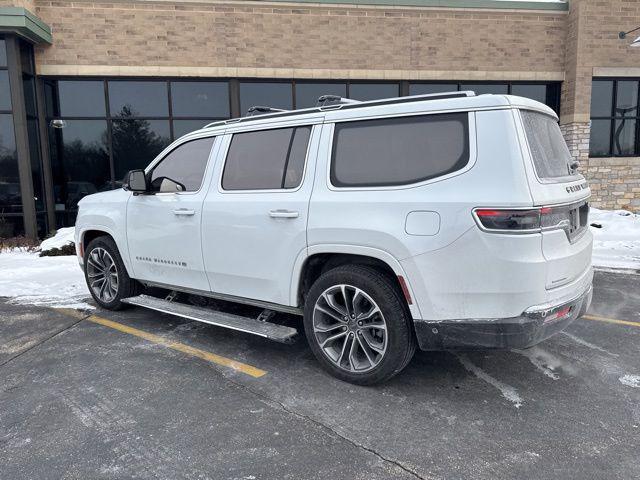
(379, 353)
(103, 252)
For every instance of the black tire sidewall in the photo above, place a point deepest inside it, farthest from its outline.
(124, 281)
(399, 330)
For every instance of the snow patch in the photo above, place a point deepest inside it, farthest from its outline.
(63, 236)
(617, 243)
(583, 342)
(507, 391)
(44, 281)
(630, 380)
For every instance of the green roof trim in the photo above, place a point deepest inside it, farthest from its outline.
(561, 6)
(22, 22)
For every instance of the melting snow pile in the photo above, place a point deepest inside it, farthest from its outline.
(616, 244)
(47, 281)
(63, 236)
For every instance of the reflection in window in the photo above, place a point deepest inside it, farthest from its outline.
(182, 127)
(5, 92)
(139, 99)
(482, 88)
(267, 94)
(534, 92)
(426, 88)
(80, 98)
(80, 161)
(136, 142)
(601, 98)
(599, 143)
(373, 91)
(307, 93)
(36, 165)
(3, 53)
(10, 199)
(200, 99)
(624, 136)
(614, 117)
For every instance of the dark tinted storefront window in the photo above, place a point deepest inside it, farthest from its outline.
(182, 127)
(532, 91)
(480, 88)
(3, 53)
(426, 88)
(81, 98)
(5, 91)
(200, 99)
(307, 93)
(269, 94)
(136, 142)
(10, 198)
(138, 99)
(614, 118)
(373, 91)
(80, 161)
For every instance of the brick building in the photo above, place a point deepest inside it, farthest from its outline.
(90, 89)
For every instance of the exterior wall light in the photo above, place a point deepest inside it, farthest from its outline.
(636, 42)
(58, 123)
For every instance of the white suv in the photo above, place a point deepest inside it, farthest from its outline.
(446, 221)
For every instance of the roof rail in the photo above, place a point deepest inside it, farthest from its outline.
(326, 100)
(260, 110)
(345, 103)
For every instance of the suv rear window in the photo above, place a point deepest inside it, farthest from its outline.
(551, 157)
(399, 151)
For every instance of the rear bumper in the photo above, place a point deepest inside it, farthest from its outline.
(531, 327)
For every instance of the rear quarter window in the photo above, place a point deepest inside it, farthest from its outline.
(549, 151)
(399, 151)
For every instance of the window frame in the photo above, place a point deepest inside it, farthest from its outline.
(174, 146)
(613, 118)
(254, 128)
(471, 148)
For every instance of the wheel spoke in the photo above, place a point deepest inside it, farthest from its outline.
(332, 304)
(347, 303)
(327, 328)
(329, 313)
(371, 345)
(352, 353)
(333, 338)
(364, 349)
(375, 326)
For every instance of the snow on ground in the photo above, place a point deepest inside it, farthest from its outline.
(62, 237)
(617, 243)
(47, 281)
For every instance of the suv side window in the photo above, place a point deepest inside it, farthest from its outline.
(399, 151)
(266, 159)
(185, 165)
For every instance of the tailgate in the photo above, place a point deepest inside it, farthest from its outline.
(562, 192)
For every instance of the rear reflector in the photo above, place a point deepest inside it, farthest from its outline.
(558, 315)
(405, 289)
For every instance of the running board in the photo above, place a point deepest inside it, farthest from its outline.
(272, 331)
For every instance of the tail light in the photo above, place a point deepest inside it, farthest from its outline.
(532, 220)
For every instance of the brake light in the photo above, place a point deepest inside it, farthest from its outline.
(513, 220)
(529, 220)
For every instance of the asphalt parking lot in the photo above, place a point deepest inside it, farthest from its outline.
(137, 394)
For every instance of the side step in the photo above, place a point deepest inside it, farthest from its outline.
(272, 331)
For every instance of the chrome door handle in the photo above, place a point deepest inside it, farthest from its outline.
(184, 211)
(283, 214)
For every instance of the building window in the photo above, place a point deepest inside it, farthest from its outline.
(101, 129)
(544, 92)
(614, 118)
(265, 94)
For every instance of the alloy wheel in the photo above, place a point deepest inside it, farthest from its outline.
(350, 328)
(102, 274)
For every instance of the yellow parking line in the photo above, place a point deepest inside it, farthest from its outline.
(598, 318)
(181, 347)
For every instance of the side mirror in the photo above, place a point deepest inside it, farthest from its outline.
(136, 181)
